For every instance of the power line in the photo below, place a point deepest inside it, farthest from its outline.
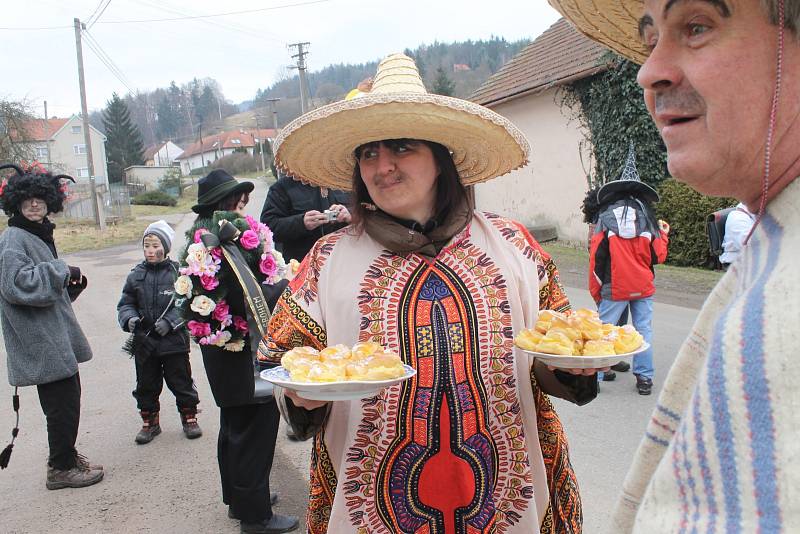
(189, 17)
(104, 58)
(90, 17)
(92, 23)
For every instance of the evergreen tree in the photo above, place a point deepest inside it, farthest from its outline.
(206, 107)
(124, 145)
(169, 119)
(443, 85)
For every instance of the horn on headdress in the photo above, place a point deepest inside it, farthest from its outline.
(67, 176)
(12, 166)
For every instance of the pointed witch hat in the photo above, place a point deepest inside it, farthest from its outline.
(319, 147)
(628, 182)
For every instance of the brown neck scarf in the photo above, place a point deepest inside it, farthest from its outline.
(401, 239)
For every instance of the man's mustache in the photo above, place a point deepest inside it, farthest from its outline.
(686, 101)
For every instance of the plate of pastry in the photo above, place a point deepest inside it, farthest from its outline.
(339, 372)
(579, 340)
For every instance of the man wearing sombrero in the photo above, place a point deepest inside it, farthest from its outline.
(721, 79)
(471, 443)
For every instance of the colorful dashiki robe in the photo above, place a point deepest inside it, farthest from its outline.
(470, 444)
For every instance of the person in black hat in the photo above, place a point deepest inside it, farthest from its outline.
(44, 342)
(627, 242)
(248, 425)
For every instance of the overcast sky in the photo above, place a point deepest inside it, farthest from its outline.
(243, 52)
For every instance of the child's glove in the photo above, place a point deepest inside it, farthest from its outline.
(163, 327)
(133, 322)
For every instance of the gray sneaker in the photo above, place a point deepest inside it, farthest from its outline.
(77, 477)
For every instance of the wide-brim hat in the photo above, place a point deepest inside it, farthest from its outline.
(318, 147)
(613, 23)
(217, 185)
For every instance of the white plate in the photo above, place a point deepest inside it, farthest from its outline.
(333, 391)
(585, 362)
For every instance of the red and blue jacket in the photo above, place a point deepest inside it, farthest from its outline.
(622, 252)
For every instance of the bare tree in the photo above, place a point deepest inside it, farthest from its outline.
(13, 137)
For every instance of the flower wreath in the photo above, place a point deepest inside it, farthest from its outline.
(202, 285)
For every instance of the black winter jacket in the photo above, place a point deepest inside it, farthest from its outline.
(287, 202)
(147, 293)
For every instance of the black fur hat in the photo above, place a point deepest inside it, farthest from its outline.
(33, 183)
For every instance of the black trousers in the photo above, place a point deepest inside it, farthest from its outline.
(61, 404)
(245, 448)
(151, 373)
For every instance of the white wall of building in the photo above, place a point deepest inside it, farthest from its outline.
(551, 188)
(167, 154)
(68, 155)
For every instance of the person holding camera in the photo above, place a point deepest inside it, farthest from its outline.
(298, 214)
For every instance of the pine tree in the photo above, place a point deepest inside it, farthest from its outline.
(124, 145)
(443, 85)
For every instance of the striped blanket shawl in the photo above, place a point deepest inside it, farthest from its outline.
(721, 451)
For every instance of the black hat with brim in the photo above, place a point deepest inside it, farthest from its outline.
(217, 185)
(632, 187)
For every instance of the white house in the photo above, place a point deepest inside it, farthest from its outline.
(59, 145)
(213, 147)
(549, 191)
(163, 155)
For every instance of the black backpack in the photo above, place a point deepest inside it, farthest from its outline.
(715, 226)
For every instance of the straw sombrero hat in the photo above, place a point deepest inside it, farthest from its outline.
(318, 147)
(613, 23)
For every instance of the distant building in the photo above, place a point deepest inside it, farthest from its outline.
(461, 67)
(549, 191)
(59, 145)
(162, 155)
(214, 147)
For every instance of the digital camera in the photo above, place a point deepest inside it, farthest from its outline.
(331, 215)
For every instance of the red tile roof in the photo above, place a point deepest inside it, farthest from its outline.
(150, 151)
(560, 55)
(40, 129)
(228, 140)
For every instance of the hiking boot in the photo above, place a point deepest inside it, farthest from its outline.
(189, 422)
(77, 477)
(150, 427)
(609, 376)
(621, 367)
(644, 385)
(273, 500)
(274, 525)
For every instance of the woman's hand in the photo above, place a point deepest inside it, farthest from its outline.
(300, 402)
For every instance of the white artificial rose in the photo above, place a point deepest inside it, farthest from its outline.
(203, 305)
(223, 338)
(183, 285)
(196, 252)
(235, 346)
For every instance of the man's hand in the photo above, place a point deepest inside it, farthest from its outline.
(162, 327)
(314, 219)
(300, 402)
(133, 322)
(342, 213)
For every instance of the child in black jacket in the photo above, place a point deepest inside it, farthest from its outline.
(160, 340)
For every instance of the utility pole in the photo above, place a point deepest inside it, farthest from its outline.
(260, 145)
(99, 216)
(47, 141)
(202, 148)
(301, 70)
(272, 105)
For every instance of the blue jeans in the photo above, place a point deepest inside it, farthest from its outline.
(642, 315)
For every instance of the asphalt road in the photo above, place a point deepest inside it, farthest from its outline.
(172, 485)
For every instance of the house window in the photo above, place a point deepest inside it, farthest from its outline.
(236, 141)
(79, 149)
(42, 152)
(76, 129)
(83, 172)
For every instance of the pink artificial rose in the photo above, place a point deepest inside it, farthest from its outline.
(222, 311)
(216, 253)
(267, 265)
(198, 233)
(252, 222)
(240, 324)
(209, 282)
(249, 240)
(198, 329)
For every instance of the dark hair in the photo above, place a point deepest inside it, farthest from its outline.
(631, 200)
(33, 183)
(590, 207)
(449, 189)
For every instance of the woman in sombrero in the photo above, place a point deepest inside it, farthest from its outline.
(471, 443)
